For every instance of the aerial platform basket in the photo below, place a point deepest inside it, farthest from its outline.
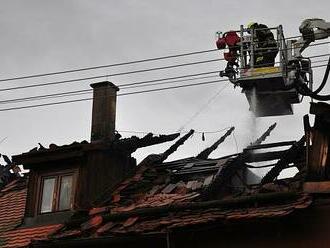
(266, 91)
(265, 87)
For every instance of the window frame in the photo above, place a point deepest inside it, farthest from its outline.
(57, 190)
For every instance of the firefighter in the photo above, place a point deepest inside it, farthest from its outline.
(230, 39)
(266, 46)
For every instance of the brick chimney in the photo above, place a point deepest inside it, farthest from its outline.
(104, 111)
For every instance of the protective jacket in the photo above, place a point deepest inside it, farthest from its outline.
(265, 55)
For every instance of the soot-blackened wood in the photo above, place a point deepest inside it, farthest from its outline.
(263, 137)
(295, 150)
(31, 197)
(103, 170)
(206, 153)
(133, 143)
(270, 145)
(175, 146)
(266, 156)
(228, 170)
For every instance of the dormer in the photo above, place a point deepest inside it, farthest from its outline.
(76, 176)
(71, 177)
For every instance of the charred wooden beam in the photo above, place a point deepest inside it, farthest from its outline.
(260, 166)
(227, 171)
(224, 176)
(265, 156)
(317, 187)
(318, 155)
(8, 172)
(133, 143)
(288, 157)
(308, 135)
(205, 154)
(263, 137)
(320, 108)
(270, 145)
(176, 145)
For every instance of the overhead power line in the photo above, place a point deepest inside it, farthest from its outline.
(158, 133)
(202, 108)
(122, 94)
(87, 91)
(107, 66)
(128, 86)
(124, 73)
(126, 63)
(139, 84)
(116, 74)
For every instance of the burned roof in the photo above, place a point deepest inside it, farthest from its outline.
(193, 191)
(8, 172)
(76, 149)
(165, 195)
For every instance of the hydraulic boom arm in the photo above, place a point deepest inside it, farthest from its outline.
(311, 30)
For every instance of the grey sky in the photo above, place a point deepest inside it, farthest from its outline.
(42, 36)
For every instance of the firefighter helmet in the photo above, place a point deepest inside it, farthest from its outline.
(251, 24)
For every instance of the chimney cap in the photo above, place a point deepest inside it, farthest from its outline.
(104, 84)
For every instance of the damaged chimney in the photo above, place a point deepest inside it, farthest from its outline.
(104, 111)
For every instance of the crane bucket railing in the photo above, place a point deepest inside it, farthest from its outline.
(249, 47)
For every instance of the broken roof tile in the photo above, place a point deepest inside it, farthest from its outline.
(196, 185)
(98, 210)
(181, 189)
(130, 221)
(174, 189)
(154, 190)
(116, 198)
(208, 180)
(94, 222)
(190, 184)
(105, 228)
(169, 188)
(67, 233)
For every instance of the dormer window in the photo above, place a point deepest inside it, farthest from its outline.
(56, 192)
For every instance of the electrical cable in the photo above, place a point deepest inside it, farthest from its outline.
(123, 94)
(199, 132)
(117, 74)
(303, 89)
(130, 93)
(324, 80)
(119, 64)
(168, 78)
(125, 63)
(201, 109)
(86, 91)
(80, 92)
(289, 48)
(102, 76)
(76, 92)
(106, 66)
